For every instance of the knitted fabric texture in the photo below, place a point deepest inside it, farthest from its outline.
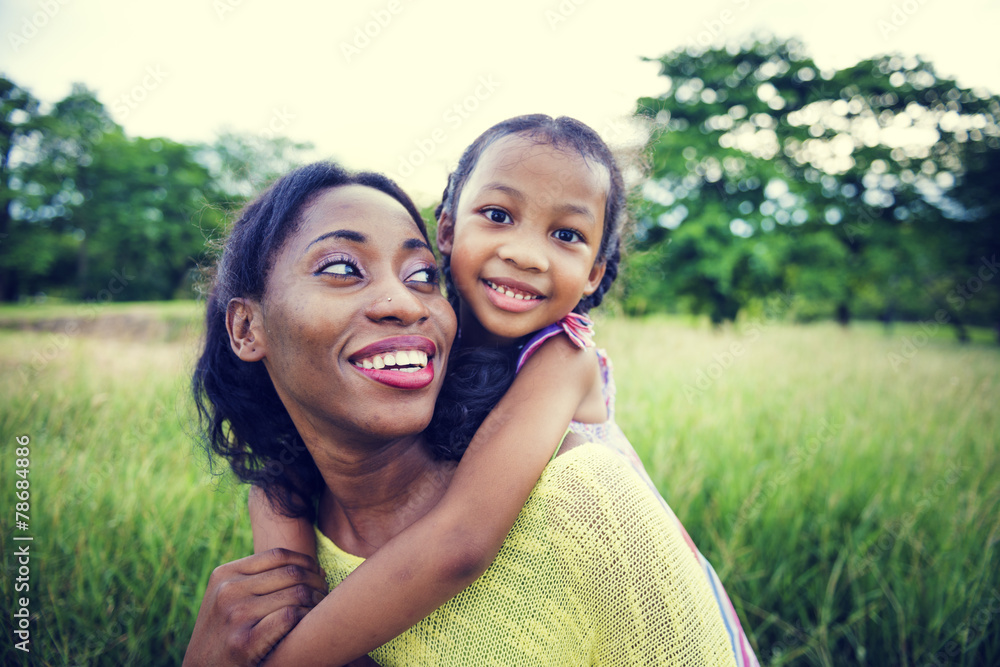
(593, 572)
(610, 435)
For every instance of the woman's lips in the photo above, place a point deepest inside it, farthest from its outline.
(401, 379)
(404, 362)
(514, 298)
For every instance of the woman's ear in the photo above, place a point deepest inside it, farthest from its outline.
(445, 233)
(595, 278)
(244, 321)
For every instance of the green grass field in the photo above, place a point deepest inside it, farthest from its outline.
(845, 483)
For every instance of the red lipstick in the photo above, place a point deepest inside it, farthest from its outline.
(413, 377)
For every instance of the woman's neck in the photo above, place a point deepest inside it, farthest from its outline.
(373, 495)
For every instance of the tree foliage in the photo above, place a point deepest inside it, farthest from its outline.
(855, 192)
(89, 212)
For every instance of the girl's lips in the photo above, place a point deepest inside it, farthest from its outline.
(510, 303)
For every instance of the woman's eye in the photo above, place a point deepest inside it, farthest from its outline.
(498, 215)
(341, 269)
(426, 275)
(568, 236)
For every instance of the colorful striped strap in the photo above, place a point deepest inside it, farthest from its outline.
(579, 328)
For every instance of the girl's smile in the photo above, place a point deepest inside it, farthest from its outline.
(512, 295)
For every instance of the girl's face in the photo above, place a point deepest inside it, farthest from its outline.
(525, 238)
(353, 328)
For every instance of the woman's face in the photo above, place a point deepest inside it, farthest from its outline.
(356, 333)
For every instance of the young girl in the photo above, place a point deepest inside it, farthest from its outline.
(529, 229)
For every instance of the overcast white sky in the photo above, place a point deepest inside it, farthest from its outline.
(436, 73)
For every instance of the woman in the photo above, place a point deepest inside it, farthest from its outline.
(326, 270)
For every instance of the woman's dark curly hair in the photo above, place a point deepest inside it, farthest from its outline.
(241, 417)
(479, 377)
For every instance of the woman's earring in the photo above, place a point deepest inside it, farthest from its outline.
(389, 299)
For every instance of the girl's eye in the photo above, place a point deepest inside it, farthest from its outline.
(498, 215)
(569, 236)
(424, 275)
(341, 268)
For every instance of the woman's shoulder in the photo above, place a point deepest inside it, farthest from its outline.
(590, 481)
(628, 558)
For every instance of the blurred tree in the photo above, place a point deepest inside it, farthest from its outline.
(18, 111)
(770, 175)
(969, 282)
(99, 215)
(87, 212)
(243, 164)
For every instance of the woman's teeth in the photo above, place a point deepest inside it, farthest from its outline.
(520, 296)
(408, 361)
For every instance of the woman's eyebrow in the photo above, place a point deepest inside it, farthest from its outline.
(416, 244)
(345, 234)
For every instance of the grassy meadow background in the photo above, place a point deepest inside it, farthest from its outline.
(844, 482)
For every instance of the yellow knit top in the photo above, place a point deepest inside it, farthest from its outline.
(594, 572)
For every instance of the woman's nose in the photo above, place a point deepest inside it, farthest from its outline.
(525, 253)
(398, 303)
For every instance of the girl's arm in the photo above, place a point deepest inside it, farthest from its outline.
(272, 529)
(452, 545)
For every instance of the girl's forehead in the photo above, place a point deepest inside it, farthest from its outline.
(518, 155)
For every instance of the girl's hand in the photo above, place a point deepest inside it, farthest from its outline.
(251, 604)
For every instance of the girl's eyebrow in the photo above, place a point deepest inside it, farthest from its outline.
(565, 209)
(506, 189)
(574, 209)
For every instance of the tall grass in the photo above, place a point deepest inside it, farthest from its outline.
(851, 507)
(127, 524)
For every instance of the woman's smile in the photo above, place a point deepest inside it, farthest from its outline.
(405, 362)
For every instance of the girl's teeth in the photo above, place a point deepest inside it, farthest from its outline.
(402, 359)
(507, 292)
(367, 364)
(378, 363)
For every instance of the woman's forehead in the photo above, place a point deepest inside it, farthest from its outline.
(356, 204)
(360, 208)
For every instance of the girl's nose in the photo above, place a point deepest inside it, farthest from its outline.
(525, 254)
